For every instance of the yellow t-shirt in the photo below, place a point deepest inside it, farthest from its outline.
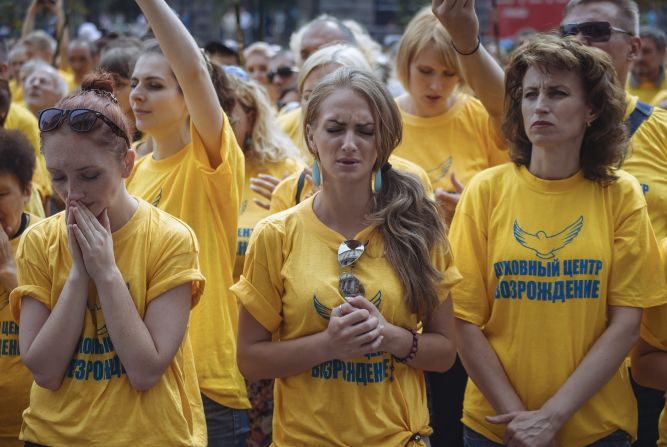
(541, 261)
(250, 212)
(289, 285)
(96, 405)
(16, 91)
(290, 123)
(654, 332)
(185, 186)
(284, 196)
(647, 161)
(462, 140)
(15, 378)
(34, 205)
(20, 118)
(646, 91)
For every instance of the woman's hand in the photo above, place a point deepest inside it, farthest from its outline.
(94, 241)
(353, 332)
(264, 185)
(460, 20)
(78, 266)
(449, 200)
(528, 428)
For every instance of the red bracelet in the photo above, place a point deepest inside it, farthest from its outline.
(413, 350)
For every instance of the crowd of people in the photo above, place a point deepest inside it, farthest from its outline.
(330, 245)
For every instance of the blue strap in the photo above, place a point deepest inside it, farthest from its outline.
(638, 116)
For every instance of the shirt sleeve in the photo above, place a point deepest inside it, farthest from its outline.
(469, 247)
(260, 288)
(32, 273)
(653, 329)
(175, 262)
(636, 277)
(442, 260)
(283, 196)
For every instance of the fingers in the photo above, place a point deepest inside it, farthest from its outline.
(262, 204)
(362, 303)
(271, 179)
(355, 316)
(458, 186)
(84, 245)
(502, 418)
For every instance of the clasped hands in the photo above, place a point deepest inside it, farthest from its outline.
(355, 328)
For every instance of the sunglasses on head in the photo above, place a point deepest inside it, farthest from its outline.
(79, 120)
(283, 72)
(349, 252)
(593, 31)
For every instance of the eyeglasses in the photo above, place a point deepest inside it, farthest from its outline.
(80, 120)
(349, 252)
(283, 72)
(593, 31)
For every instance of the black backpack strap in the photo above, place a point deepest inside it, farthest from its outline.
(638, 116)
(299, 186)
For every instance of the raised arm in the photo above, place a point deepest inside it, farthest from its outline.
(480, 71)
(189, 67)
(29, 19)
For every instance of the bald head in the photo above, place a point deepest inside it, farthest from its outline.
(322, 32)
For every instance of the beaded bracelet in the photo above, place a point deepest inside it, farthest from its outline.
(413, 350)
(471, 52)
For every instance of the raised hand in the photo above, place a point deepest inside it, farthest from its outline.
(449, 200)
(94, 241)
(460, 20)
(353, 332)
(264, 185)
(78, 266)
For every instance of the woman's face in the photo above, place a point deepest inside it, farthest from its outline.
(430, 83)
(343, 138)
(314, 78)
(156, 100)
(121, 90)
(82, 168)
(258, 66)
(554, 108)
(242, 123)
(12, 200)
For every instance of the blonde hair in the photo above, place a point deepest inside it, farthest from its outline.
(269, 144)
(407, 217)
(424, 31)
(262, 48)
(339, 53)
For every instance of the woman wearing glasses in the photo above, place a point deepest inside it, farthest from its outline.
(557, 253)
(195, 173)
(104, 295)
(334, 290)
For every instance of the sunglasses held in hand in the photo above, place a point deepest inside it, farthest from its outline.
(593, 31)
(79, 120)
(349, 252)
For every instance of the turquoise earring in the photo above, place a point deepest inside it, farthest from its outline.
(317, 178)
(377, 181)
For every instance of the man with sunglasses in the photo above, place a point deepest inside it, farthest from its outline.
(611, 26)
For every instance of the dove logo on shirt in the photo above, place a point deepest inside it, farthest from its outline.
(544, 245)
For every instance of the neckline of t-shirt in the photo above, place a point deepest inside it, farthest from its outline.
(331, 236)
(550, 186)
(430, 121)
(170, 160)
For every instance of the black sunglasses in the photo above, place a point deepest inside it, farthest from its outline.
(80, 120)
(593, 31)
(283, 72)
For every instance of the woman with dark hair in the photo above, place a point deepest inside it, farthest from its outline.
(558, 258)
(335, 289)
(195, 172)
(104, 295)
(17, 164)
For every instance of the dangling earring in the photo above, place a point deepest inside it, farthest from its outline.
(376, 184)
(317, 179)
(247, 143)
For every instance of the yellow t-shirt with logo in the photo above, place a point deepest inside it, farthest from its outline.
(290, 123)
(541, 261)
(284, 196)
(647, 161)
(207, 199)
(20, 118)
(15, 378)
(290, 285)
(96, 405)
(654, 332)
(462, 140)
(251, 213)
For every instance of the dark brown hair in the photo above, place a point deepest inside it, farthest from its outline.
(604, 146)
(17, 156)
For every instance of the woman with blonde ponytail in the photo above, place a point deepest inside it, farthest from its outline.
(334, 289)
